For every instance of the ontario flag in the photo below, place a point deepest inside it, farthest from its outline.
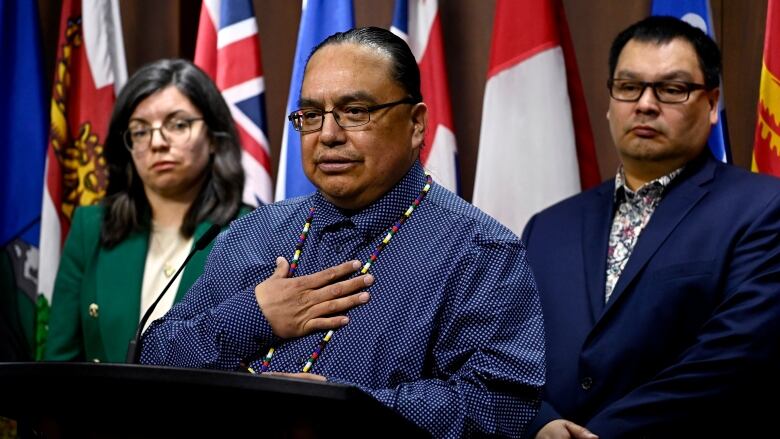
(535, 145)
(418, 23)
(90, 70)
(766, 148)
(228, 50)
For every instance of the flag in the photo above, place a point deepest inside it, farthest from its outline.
(698, 13)
(766, 148)
(418, 23)
(535, 145)
(319, 20)
(228, 49)
(23, 129)
(89, 71)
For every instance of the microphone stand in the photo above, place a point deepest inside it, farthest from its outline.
(133, 348)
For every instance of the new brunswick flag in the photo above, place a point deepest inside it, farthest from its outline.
(90, 69)
(766, 147)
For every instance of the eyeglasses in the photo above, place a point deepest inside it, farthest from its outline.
(667, 92)
(308, 120)
(175, 131)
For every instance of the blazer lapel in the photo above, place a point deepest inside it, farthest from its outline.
(676, 204)
(595, 238)
(120, 273)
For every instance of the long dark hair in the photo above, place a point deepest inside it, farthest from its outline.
(126, 207)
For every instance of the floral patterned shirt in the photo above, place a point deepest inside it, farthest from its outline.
(632, 213)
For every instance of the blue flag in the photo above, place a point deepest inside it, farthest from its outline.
(400, 25)
(699, 14)
(24, 128)
(319, 20)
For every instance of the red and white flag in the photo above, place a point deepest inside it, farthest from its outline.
(536, 145)
(417, 22)
(90, 70)
(228, 50)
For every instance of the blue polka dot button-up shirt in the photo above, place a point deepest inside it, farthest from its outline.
(452, 337)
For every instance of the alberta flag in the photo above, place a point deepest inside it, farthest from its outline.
(418, 23)
(228, 49)
(90, 70)
(699, 14)
(24, 120)
(319, 19)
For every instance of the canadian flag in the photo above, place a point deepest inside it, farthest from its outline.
(536, 145)
(418, 23)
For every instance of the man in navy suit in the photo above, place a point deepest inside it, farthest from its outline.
(661, 287)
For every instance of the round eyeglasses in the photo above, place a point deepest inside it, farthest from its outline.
(175, 131)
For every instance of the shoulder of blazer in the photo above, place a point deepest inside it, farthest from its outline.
(245, 209)
(198, 262)
(86, 225)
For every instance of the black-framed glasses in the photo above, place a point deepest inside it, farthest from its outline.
(667, 92)
(176, 131)
(308, 120)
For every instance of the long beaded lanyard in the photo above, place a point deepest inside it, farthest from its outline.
(366, 266)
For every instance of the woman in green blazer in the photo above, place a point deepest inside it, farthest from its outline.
(174, 164)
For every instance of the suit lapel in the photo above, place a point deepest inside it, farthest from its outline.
(595, 238)
(120, 273)
(674, 207)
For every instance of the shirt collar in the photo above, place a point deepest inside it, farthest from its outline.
(379, 215)
(652, 188)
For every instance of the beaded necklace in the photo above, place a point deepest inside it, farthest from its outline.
(264, 366)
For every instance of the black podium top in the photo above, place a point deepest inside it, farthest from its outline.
(118, 400)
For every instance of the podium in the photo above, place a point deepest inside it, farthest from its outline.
(133, 401)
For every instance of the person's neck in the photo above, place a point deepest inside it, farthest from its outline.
(169, 211)
(640, 173)
(348, 207)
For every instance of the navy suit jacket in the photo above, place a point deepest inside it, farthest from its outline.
(690, 337)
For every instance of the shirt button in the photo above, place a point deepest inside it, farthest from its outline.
(338, 249)
(586, 383)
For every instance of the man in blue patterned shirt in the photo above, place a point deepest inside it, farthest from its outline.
(442, 323)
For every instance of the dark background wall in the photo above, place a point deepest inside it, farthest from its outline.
(156, 29)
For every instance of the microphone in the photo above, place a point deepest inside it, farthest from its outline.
(133, 349)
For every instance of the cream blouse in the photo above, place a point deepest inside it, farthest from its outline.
(167, 251)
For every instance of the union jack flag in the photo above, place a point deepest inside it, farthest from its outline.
(228, 49)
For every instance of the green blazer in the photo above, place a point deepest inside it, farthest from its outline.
(96, 304)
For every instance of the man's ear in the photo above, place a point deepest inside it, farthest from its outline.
(713, 96)
(419, 119)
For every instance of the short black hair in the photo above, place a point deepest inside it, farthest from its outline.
(404, 66)
(126, 206)
(663, 29)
